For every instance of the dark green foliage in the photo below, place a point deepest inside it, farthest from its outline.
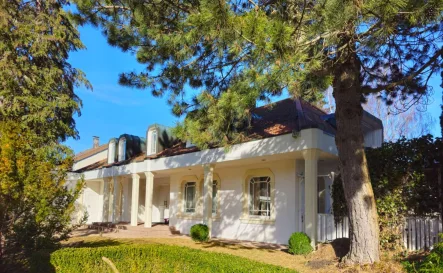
(403, 176)
(145, 258)
(37, 108)
(433, 263)
(217, 59)
(339, 207)
(299, 244)
(36, 81)
(167, 140)
(214, 60)
(200, 233)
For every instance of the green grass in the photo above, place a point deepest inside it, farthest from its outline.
(145, 258)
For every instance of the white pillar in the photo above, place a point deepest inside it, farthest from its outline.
(134, 199)
(148, 198)
(311, 194)
(116, 201)
(207, 196)
(106, 199)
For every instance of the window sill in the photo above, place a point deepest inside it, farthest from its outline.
(262, 221)
(189, 217)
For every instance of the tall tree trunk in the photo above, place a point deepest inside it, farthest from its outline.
(363, 218)
(440, 168)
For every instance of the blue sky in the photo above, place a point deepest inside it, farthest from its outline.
(110, 110)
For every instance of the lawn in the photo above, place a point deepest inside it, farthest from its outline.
(142, 256)
(203, 255)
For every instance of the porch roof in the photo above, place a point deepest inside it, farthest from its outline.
(275, 119)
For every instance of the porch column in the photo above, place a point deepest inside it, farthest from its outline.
(106, 199)
(134, 200)
(311, 195)
(148, 198)
(207, 196)
(116, 202)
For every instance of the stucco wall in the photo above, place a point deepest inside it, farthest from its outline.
(90, 160)
(231, 193)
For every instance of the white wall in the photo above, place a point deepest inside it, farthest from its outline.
(90, 160)
(91, 201)
(230, 226)
(374, 139)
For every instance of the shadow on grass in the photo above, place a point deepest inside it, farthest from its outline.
(97, 243)
(40, 261)
(243, 245)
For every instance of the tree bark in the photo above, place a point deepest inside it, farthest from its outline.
(363, 218)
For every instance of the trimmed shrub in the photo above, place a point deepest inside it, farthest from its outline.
(299, 244)
(145, 258)
(200, 233)
(432, 263)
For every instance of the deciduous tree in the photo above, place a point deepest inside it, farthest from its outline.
(217, 58)
(37, 104)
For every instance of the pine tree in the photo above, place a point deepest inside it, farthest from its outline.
(37, 104)
(36, 81)
(215, 59)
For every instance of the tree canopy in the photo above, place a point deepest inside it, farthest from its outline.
(37, 107)
(36, 81)
(227, 54)
(215, 59)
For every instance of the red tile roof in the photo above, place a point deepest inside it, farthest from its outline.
(281, 117)
(90, 152)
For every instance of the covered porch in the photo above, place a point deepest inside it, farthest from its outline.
(134, 199)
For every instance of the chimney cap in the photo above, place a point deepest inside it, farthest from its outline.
(95, 141)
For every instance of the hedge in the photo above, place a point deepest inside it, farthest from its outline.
(145, 258)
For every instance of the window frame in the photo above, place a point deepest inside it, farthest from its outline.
(185, 197)
(154, 141)
(258, 219)
(121, 149)
(251, 198)
(181, 213)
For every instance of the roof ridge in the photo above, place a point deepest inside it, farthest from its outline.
(90, 149)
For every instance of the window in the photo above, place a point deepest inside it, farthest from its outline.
(260, 196)
(190, 198)
(214, 197)
(111, 151)
(154, 142)
(122, 149)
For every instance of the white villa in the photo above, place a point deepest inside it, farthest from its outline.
(260, 190)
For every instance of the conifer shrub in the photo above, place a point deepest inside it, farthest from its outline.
(299, 244)
(200, 233)
(156, 258)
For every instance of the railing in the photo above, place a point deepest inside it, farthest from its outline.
(418, 232)
(328, 231)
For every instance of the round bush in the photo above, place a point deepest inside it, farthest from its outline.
(299, 244)
(200, 233)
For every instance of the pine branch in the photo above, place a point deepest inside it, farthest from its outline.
(407, 79)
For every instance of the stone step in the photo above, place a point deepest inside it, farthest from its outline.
(140, 230)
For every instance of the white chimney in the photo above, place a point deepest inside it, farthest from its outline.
(95, 141)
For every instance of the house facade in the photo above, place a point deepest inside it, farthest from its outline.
(262, 190)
